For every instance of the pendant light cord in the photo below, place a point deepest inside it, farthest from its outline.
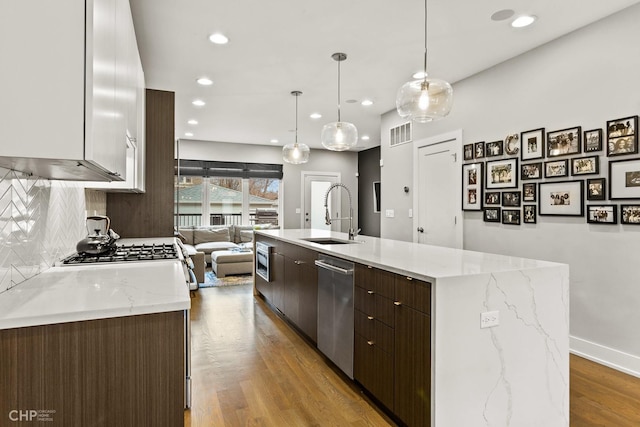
(339, 89)
(425, 40)
(296, 143)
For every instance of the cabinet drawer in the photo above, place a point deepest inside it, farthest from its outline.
(413, 293)
(375, 333)
(365, 300)
(298, 253)
(371, 278)
(374, 370)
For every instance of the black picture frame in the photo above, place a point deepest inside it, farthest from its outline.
(494, 149)
(492, 198)
(585, 165)
(624, 179)
(561, 198)
(532, 144)
(468, 152)
(622, 138)
(502, 174)
(511, 199)
(597, 189)
(592, 140)
(564, 142)
(478, 150)
(491, 214)
(529, 214)
(602, 214)
(530, 192)
(556, 168)
(511, 216)
(472, 180)
(630, 214)
(530, 171)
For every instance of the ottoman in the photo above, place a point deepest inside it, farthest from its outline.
(224, 263)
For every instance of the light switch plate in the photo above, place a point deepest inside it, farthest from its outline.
(389, 213)
(297, 210)
(489, 319)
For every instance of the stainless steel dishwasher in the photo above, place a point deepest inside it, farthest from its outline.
(335, 311)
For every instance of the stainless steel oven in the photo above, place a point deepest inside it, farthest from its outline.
(263, 255)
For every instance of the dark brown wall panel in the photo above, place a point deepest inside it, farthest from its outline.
(150, 214)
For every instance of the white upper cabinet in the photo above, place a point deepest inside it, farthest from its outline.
(71, 88)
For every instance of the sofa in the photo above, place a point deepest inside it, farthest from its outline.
(222, 247)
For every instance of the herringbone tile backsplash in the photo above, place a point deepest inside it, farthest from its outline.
(40, 222)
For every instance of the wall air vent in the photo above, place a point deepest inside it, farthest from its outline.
(400, 134)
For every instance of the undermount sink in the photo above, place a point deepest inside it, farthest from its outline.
(329, 241)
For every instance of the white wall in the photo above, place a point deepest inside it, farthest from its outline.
(346, 163)
(583, 79)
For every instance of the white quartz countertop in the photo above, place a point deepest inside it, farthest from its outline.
(97, 291)
(424, 262)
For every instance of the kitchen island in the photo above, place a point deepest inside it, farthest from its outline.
(495, 344)
(98, 344)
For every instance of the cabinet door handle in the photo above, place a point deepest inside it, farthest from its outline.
(409, 278)
(370, 317)
(369, 266)
(371, 343)
(370, 292)
(397, 303)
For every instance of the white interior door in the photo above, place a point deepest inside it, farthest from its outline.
(438, 220)
(315, 186)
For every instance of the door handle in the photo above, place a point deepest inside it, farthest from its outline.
(420, 230)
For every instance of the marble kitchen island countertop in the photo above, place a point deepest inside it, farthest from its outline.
(513, 371)
(97, 291)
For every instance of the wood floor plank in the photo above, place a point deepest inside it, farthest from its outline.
(250, 368)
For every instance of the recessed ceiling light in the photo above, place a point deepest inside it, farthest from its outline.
(198, 102)
(188, 134)
(365, 137)
(523, 21)
(218, 38)
(193, 122)
(419, 75)
(366, 102)
(274, 141)
(501, 15)
(205, 81)
(315, 115)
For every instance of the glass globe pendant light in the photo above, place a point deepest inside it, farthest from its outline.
(339, 136)
(296, 153)
(424, 99)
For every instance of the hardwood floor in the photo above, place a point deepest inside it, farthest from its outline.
(250, 369)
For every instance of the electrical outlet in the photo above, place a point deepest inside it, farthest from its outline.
(410, 213)
(489, 319)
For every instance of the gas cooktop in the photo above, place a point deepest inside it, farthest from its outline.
(126, 253)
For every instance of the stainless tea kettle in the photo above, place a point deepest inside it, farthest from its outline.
(100, 239)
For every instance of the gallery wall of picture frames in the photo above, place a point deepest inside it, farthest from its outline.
(540, 173)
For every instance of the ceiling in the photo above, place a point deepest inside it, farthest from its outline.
(279, 46)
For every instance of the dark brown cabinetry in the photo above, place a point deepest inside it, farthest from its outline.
(393, 348)
(293, 288)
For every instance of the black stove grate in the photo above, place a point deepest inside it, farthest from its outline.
(127, 253)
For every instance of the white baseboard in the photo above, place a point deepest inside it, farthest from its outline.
(624, 362)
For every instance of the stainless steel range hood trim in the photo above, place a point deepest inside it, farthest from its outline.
(56, 169)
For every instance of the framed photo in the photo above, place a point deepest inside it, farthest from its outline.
(491, 214)
(556, 168)
(502, 174)
(564, 142)
(532, 144)
(596, 189)
(529, 192)
(630, 214)
(512, 144)
(478, 148)
(468, 152)
(512, 199)
(531, 171)
(529, 214)
(624, 179)
(585, 165)
(592, 140)
(472, 186)
(602, 214)
(492, 198)
(622, 137)
(511, 216)
(561, 198)
(493, 149)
